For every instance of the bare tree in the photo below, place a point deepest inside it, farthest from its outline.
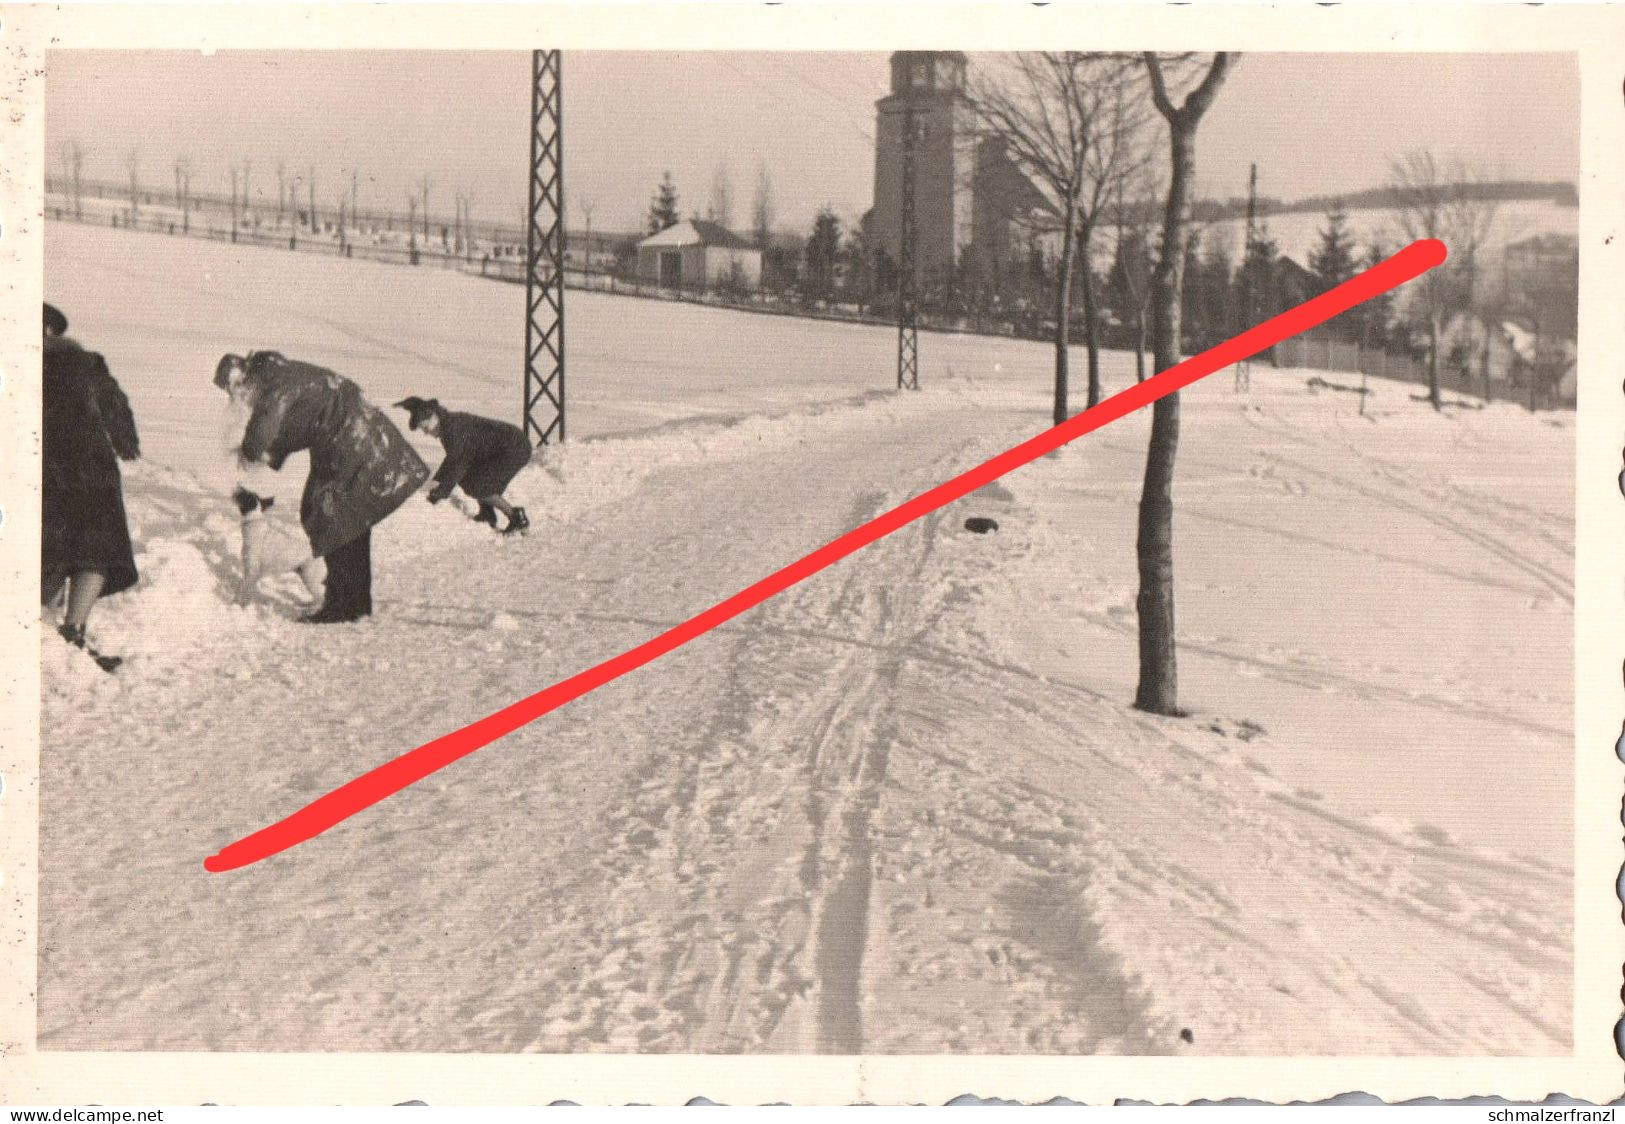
(183, 190)
(1434, 201)
(345, 217)
(424, 186)
(1133, 250)
(74, 156)
(721, 207)
(132, 163)
(1073, 123)
(762, 208)
(315, 224)
(281, 190)
(1158, 690)
(585, 205)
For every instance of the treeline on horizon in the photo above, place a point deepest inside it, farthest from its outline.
(1384, 197)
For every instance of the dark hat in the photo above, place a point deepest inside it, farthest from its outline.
(56, 324)
(419, 409)
(223, 369)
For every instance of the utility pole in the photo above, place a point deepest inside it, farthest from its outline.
(544, 256)
(908, 344)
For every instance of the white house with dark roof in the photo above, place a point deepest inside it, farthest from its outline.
(696, 254)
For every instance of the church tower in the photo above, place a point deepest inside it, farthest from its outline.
(932, 83)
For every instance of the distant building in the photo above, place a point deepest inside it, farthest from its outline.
(696, 254)
(972, 206)
(1294, 283)
(1543, 283)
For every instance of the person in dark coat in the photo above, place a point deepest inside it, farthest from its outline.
(87, 428)
(361, 466)
(482, 457)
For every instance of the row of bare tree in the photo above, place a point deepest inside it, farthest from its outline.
(1085, 128)
(1080, 126)
(342, 210)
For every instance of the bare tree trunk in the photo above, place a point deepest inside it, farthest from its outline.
(1484, 364)
(1433, 362)
(1063, 307)
(1139, 345)
(1159, 676)
(1091, 318)
(1159, 682)
(1534, 369)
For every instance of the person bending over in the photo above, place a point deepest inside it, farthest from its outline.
(361, 466)
(482, 457)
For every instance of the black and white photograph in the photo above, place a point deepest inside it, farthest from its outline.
(428, 436)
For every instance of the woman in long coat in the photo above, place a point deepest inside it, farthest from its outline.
(87, 428)
(361, 467)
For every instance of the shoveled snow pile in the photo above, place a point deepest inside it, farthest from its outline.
(903, 807)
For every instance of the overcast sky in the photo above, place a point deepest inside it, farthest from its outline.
(1316, 124)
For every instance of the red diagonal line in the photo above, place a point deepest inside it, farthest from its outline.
(409, 768)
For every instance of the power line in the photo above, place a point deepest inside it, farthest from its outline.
(799, 105)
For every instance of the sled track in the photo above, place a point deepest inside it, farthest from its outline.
(1547, 576)
(1557, 532)
(1555, 582)
(1316, 680)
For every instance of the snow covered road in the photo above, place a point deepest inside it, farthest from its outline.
(903, 807)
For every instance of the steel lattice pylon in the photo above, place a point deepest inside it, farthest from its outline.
(544, 243)
(908, 344)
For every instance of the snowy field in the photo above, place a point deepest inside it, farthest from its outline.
(904, 807)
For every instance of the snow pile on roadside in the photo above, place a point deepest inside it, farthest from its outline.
(565, 482)
(187, 539)
(187, 552)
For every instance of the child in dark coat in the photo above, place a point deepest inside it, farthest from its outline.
(482, 456)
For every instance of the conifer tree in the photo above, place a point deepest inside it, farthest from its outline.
(663, 208)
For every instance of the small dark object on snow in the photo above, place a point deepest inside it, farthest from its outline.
(1319, 383)
(1187, 1035)
(981, 524)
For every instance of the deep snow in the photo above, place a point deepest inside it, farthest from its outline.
(903, 807)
